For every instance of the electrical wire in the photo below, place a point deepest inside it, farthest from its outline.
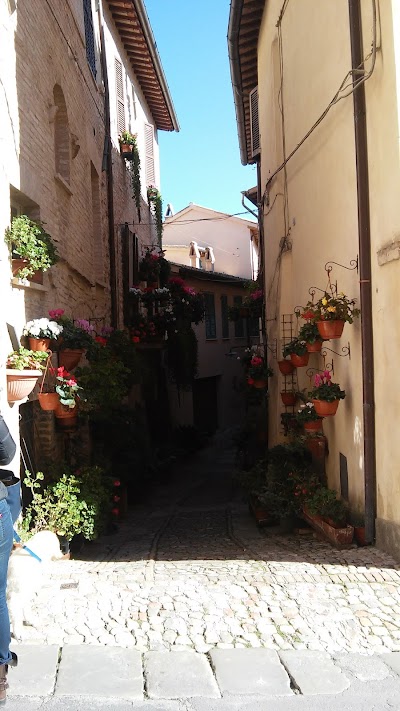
(186, 222)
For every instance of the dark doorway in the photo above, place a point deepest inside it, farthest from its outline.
(205, 404)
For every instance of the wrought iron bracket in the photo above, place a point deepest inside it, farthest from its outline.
(353, 265)
(311, 371)
(332, 287)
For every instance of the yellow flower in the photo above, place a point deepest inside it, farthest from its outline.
(332, 309)
(324, 301)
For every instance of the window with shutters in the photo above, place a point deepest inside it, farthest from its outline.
(211, 327)
(239, 324)
(119, 90)
(254, 123)
(149, 154)
(89, 35)
(224, 316)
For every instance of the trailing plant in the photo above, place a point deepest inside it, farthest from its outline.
(42, 328)
(309, 332)
(135, 172)
(324, 389)
(155, 204)
(24, 359)
(296, 346)
(28, 240)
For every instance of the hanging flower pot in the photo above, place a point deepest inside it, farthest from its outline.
(288, 398)
(39, 344)
(317, 446)
(313, 425)
(299, 360)
(70, 357)
(259, 384)
(323, 408)
(20, 383)
(66, 417)
(314, 347)
(286, 367)
(48, 401)
(330, 329)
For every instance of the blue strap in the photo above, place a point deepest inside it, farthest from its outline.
(28, 550)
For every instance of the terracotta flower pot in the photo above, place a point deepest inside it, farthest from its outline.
(66, 417)
(288, 398)
(313, 426)
(317, 446)
(20, 383)
(39, 344)
(359, 533)
(126, 150)
(48, 401)
(70, 357)
(299, 360)
(260, 384)
(330, 329)
(323, 408)
(314, 347)
(18, 264)
(286, 367)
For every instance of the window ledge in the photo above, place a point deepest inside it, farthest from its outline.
(25, 284)
(63, 183)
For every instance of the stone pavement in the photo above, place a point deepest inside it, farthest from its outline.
(61, 678)
(191, 572)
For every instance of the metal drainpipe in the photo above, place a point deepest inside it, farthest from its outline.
(364, 240)
(110, 178)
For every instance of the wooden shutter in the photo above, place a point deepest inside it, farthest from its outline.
(89, 35)
(149, 152)
(119, 89)
(254, 123)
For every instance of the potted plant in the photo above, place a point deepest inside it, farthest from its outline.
(127, 142)
(70, 504)
(333, 311)
(23, 369)
(326, 395)
(310, 334)
(32, 249)
(308, 418)
(40, 332)
(77, 336)
(328, 514)
(289, 397)
(150, 265)
(258, 372)
(286, 367)
(310, 311)
(316, 443)
(358, 521)
(297, 350)
(67, 390)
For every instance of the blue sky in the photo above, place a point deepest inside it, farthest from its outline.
(201, 163)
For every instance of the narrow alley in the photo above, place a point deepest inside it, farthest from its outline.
(190, 570)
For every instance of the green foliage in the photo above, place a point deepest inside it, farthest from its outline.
(307, 413)
(324, 502)
(332, 307)
(73, 336)
(28, 240)
(324, 389)
(24, 359)
(77, 502)
(127, 137)
(105, 382)
(255, 479)
(182, 353)
(295, 346)
(309, 332)
(67, 388)
(155, 204)
(135, 173)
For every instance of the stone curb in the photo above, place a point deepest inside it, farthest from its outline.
(116, 673)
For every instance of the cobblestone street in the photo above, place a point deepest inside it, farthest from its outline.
(192, 571)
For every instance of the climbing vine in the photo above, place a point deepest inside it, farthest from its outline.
(135, 176)
(155, 204)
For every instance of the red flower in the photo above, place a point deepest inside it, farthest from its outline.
(115, 511)
(117, 482)
(71, 382)
(250, 381)
(136, 339)
(102, 341)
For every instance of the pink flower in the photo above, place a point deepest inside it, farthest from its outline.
(71, 382)
(56, 313)
(117, 482)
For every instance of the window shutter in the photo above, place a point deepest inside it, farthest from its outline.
(119, 87)
(89, 35)
(254, 123)
(149, 152)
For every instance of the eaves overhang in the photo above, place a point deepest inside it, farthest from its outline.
(133, 25)
(243, 30)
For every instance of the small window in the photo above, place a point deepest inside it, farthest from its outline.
(149, 153)
(224, 316)
(211, 327)
(239, 325)
(89, 36)
(119, 90)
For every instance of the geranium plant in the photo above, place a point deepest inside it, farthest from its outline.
(309, 333)
(307, 413)
(336, 307)
(150, 265)
(76, 334)
(324, 389)
(258, 370)
(28, 240)
(23, 359)
(296, 346)
(42, 328)
(67, 388)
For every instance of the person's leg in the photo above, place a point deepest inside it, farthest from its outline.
(6, 540)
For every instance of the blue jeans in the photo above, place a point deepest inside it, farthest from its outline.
(6, 542)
